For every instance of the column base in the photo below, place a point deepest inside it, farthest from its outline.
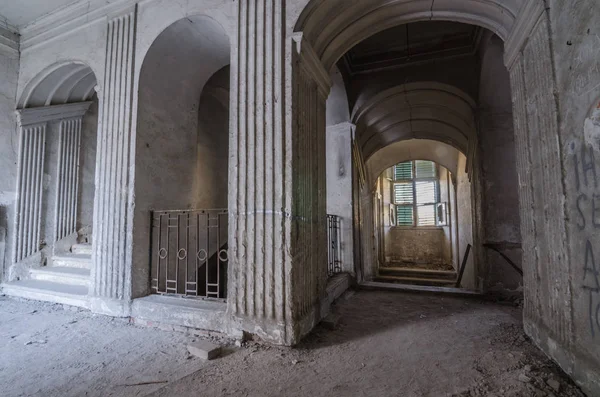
(290, 333)
(267, 330)
(583, 370)
(110, 307)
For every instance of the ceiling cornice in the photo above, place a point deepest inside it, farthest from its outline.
(67, 19)
(9, 41)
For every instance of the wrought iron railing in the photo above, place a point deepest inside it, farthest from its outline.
(189, 253)
(334, 262)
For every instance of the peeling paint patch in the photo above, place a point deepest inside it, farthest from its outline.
(591, 129)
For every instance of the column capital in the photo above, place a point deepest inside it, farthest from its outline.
(342, 128)
(45, 114)
(312, 64)
(529, 15)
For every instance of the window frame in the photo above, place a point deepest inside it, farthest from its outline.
(415, 206)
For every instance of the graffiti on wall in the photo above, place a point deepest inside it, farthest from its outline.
(587, 220)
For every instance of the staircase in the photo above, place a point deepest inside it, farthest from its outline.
(415, 276)
(65, 280)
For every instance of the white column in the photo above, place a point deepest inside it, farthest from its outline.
(32, 143)
(111, 276)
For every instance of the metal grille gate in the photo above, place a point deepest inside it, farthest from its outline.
(189, 253)
(334, 262)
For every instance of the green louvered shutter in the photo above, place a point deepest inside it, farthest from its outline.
(404, 215)
(403, 171)
(425, 169)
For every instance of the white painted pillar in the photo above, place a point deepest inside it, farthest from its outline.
(277, 229)
(32, 141)
(111, 275)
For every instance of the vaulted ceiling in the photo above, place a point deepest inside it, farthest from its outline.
(411, 44)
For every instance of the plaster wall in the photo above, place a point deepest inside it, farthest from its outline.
(336, 108)
(211, 170)
(500, 201)
(418, 245)
(465, 222)
(339, 186)
(87, 172)
(9, 148)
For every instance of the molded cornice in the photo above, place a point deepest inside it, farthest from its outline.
(9, 41)
(68, 19)
(51, 113)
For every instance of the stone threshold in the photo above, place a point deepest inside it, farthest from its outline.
(374, 285)
(161, 310)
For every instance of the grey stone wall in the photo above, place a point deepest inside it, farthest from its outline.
(87, 170)
(564, 318)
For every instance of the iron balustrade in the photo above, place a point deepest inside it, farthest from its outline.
(334, 262)
(189, 253)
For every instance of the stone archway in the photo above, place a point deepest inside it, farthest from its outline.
(182, 162)
(297, 83)
(348, 23)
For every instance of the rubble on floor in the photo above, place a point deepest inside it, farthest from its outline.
(384, 344)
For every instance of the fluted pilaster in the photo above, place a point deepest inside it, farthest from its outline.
(32, 143)
(259, 186)
(112, 257)
(67, 177)
(277, 178)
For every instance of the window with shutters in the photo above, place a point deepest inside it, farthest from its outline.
(416, 194)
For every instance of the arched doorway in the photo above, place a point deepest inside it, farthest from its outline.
(58, 118)
(181, 180)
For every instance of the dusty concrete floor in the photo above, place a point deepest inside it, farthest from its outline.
(387, 344)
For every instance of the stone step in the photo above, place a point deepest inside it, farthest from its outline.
(178, 311)
(73, 295)
(414, 280)
(62, 275)
(418, 273)
(72, 260)
(82, 249)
